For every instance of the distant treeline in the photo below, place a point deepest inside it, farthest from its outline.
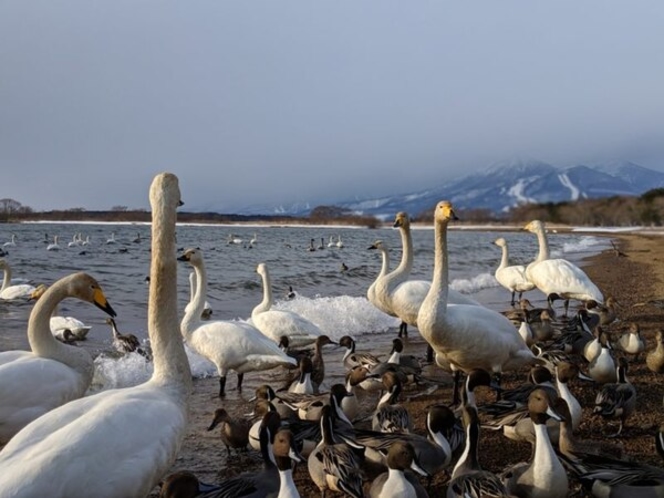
(647, 210)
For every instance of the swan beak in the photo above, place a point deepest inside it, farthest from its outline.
(102, 303)
(372, 246)
(180, 203)
(184, 257)
(416, 467)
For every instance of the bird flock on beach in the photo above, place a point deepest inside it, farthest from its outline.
(355, 438)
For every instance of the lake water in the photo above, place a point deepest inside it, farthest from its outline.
(333, 299)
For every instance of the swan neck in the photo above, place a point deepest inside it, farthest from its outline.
(440, 281)
(504, 260)
(192, 317)
(543, 254)
(171, 366)
(266, 303)
(6, 279)
(385, 267)
(406, 263)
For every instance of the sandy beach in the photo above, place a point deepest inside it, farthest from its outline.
(633, 280)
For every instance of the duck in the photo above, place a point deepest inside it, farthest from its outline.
(142, 451)
(468, 478)
(265, 393)
(127, 343)
(54, 246)
(558, 278)
(206, 314)
(310, 406)
(183, 484)
(52, 373)
(513, 277)
(354, 377)
(276, 323)
(397, 482)
(390, 416)
(655, 357)
(230, 345)
(291, 294)
(543, 476)
(10, 243)
(542, 328)
(466, 336)
(617, 400)
(602, 368)
(234, 432)
(398, 296)
(9, 292)
(334, 466)
(352, 359)
(606, 313)
(303, 384)
(59, 323)
(66, 336)
(631, 341)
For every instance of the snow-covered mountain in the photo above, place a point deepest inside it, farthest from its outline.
(504, 185)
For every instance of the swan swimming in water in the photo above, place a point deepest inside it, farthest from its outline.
(10, 243)
(9, 292)
(34, 382)
(120, 442)
(277, 323)
(558, 278)
(55, 246)
(230, 345)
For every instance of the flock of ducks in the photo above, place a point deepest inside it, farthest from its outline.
(123, 442)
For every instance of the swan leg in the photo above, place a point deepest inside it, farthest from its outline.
(429, 354)
(222, 386)
(497, 377)
(403, 329)
(240, 378)
(512, 302)
(457, 380)
(566, 306)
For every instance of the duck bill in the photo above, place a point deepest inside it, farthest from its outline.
(554, 414)
(583, 376)
(295, 455)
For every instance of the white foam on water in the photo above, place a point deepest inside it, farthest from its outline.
(474, 284)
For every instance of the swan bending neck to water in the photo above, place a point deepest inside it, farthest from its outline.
(139, 429)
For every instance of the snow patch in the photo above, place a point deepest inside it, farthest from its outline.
(566, 182)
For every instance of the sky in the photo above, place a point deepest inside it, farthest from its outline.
(254, 102)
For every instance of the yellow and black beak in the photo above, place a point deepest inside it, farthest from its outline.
(102, 303)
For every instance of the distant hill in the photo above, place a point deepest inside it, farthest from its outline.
(501, 187)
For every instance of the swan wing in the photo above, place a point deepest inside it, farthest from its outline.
(276, 323)
(21, 291)
(563, 277)
(131, 463)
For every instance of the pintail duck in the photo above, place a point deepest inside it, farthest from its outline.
(390, 416)
(354, 377)
(468, 478)
(261, 407)
(310, 406)
(303, 384)
(543, 476)
(659, 441)
(631, 342)
(352, 359)
(603, 367)
(397, 482)
(606, 313)
(655, 357)
(433, 452)
(124, 343)
(266, 393)
(617, 400)
(333, 465)
(234, 432)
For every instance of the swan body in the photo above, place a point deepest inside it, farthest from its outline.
(468, 337)
(140, 429)
(398, 296)
(111, 240)
(340, 244)
(33, 383)
(513, 278)
(331, 242)
(10, 243)
(54, 246)
(277, 323)
(9, 292)
(229, 345)
(558, 276)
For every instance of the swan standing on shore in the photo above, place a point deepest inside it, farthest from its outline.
(277, 323)
(33, 383)
(229, 345)
(558, 278)
(513, 278)
(9, 292)
(468, 337)
(118, 443)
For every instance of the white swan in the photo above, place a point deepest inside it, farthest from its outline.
(340, 244)
(207, 309)
(229, 345)
(513, 278)
(10, 243)
(277, 323)
(232, 239)
(120, 442)
(400, 297)
(385, 267)
(59, 324)
(33, 383)
(468, 337)
(54, 246)
(9, 292)
(75, 241)
(254, 240)
(558, 278)
(111, 240)
(331, 242)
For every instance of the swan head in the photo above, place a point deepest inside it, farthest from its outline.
(193, 256)
(444, 212)
(401, 220)
(261, 269)
(535, 226)
(86, 288)
(38, 292)
(377, 244)
(500, 242)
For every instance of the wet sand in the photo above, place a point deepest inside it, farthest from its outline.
(633, 280)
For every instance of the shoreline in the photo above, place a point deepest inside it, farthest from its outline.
(632, 280)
